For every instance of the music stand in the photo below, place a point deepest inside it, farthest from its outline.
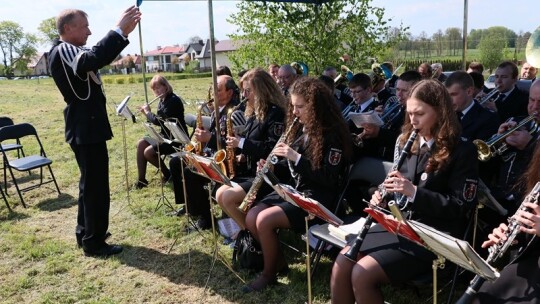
(444, 246)
(123, 110)
(311, 206)
(159, 139)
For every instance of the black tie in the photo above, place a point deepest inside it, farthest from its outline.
(500, 98)
(459, 115)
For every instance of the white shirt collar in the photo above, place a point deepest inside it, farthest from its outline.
(429, 142)
(364, 105)
(467, 108)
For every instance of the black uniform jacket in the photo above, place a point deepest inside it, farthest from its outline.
(261, 137)
(170, 109)
(322, 184)
(212, 144)
(479, 123)
(443, 198)
(76, 76)
(513, 105)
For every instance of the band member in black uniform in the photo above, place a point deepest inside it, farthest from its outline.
(434, 180)
(518, 281)
(265, 110)
(391, 83)
(75, 72)
(511, 102)
(378, 82)
(341, 90)
(476, 121)
(170, 108)
(316, 155)
(197, 196)
(286, 77)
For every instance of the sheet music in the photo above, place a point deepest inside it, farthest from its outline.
(155, 134)
(309, 205)
(210, 168)
(370, 117)
(178, 134)
(123, 110)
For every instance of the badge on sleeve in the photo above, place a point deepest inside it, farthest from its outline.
(469, 189)
(278, 129)
(335, 156)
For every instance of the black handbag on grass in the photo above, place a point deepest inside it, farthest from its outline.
(247, 253)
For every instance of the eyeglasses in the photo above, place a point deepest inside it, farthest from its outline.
(357, 91)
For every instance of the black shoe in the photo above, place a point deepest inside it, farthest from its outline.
(200, 224)
(104, 251)
(179, 212)
(80, 236)
(141, 184)
(259, 284)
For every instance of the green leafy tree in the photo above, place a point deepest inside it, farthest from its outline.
(491, 51)
(17, 48)
(48, 31)
(317, 35)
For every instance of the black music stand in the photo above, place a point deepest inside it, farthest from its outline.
(311, 206)
(159, 139)
(123, 111)
(444, 246)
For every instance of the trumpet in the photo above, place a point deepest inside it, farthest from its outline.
(345, 75)
(391, 113)
(493, 94)
(493, 147)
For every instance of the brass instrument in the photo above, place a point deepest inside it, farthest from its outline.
(271, 160)
(497, 251)
(195, 146)
(493, 94)
(345, 75)
(358, 139)
(352, 253)
(391, 112)
(301, 68)
(231, 159)
(490, 148)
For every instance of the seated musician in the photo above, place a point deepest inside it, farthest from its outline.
(378, 81)
(196, 196)
(171, 108)
(514, 161)
(478, 81)
(316, 155)
(432, 180)
(265, 110)
(511, 101)
(476, 121)
(342, 93)
(518, 281)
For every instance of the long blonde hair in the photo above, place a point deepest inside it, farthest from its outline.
(266, 92)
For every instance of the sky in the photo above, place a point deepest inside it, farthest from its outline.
(174, 22)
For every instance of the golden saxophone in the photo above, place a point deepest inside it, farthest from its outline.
(195, 146)
(271, 160)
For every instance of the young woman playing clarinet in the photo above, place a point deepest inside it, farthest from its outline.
(438, 179)
(315, 156)
(265, 113)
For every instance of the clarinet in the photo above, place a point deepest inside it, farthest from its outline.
(352, 253)
(497, 251)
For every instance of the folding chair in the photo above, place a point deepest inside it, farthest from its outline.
(5, 199)
(26, 163)
(6, 121)
(369, 169)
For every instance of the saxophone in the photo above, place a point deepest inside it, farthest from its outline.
(195, 146)
(497, 251)
(271, 160)
(230, 150)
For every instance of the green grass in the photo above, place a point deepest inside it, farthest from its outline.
(39, 260)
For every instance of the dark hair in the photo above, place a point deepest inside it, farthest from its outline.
(328, 81)
(478, 79)
(323, 118)
(223, 70)
(410, 76)
(362, 80)
(447, 128)
(476, 66)
(462, 78)
(513, 67)
(427, 66)
(242, 73)
(66, 17)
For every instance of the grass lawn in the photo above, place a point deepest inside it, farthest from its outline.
(39, 259)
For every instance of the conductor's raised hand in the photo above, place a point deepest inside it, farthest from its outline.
(283, 150)
(129, 19)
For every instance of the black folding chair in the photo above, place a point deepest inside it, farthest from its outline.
(16, 146)
(26, 163)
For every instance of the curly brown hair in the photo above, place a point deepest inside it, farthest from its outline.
(445, 131)
(323, 118)
(266, 92)
(532, 175)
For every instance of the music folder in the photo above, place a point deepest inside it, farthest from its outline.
(205, 167)
(370, 117)
(123, 110)
(309, 205)
(178, 134)
(441, 244)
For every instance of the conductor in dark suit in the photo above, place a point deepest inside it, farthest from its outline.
(75, 72)
(511, 101)
(476, 121)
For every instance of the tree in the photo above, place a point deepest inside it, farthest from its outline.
(48, 30)
(17, 47)
(317, 35)
(194, 39)
(455, 40)
(491, 50)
